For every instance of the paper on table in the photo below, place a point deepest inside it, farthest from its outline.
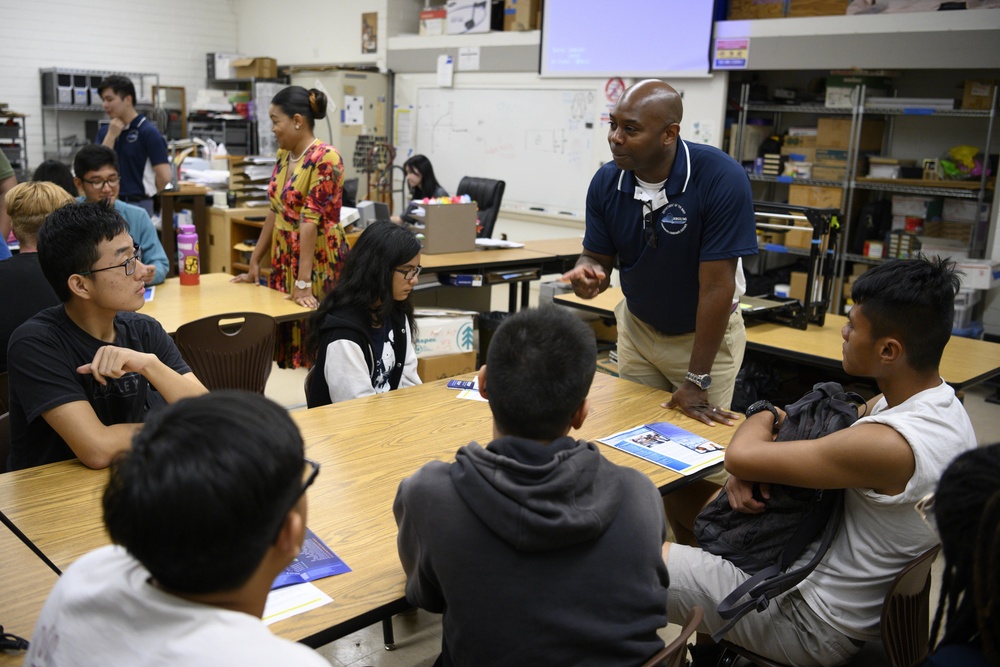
(668, 445)
(292, 600)
(497, 243)
(473, 394)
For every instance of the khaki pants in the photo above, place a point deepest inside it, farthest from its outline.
(651, 358)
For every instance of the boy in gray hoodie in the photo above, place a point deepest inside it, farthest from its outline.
(536, 548)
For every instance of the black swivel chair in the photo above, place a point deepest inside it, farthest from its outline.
(350, 193)
(487, 193)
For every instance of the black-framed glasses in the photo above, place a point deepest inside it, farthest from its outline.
(99, 184)
(649, 224)
(128, 264)
(410, 274)
(311, 475)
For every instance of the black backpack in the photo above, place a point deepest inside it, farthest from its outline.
(765, 545)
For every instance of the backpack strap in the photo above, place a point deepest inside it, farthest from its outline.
(399, 351)
(771, 581)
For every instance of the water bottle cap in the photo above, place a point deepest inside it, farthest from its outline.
(188, 229)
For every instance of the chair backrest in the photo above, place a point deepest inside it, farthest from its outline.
(230, 351)
(4, 440)
(349, 195)
(674, 653)
(487, 193)
(4, 393)
(906, 612)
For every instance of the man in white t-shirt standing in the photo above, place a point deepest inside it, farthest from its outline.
(205, 510)
(887, 461)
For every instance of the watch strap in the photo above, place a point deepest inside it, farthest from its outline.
(760, 406)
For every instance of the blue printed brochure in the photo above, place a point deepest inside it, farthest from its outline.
(668, 445)
(315, 561)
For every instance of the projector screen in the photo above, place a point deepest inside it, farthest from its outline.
(626, 38)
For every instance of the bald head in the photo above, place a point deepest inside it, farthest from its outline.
(657, 97)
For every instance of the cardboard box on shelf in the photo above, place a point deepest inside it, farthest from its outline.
(799, 237)
(522, 14)
(797, 286)
(836, 133)
(816, 196)
(806, 153)
(817, 7)
(432, 21)
(444, 335)
(928, 208)
(840, 89)
(259, 68)
(964, 210)
(445, 366)
(979, 273)
(832, 157)
(822, 172)
(978, 95)
(466, 17)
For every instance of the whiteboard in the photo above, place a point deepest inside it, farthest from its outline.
(540, 142)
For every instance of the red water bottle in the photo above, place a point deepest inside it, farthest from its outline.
(187, 255)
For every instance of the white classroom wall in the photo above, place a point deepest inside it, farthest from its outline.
(168, 37)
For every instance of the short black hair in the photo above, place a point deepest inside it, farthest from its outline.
(310, 104)
(68, 240)
(93, 157)
(121, 85)
(56, 172)
(366, 282)
(540, 365)
(912, 300)
(204, 489)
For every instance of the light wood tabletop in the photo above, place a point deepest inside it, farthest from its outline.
(174, 304)
(366, 447)
(568, 248)
(482, 259)
(23, 575)
(965, 362)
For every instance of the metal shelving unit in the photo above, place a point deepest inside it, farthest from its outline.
(853, 184)
(14, 143)
(74, 91)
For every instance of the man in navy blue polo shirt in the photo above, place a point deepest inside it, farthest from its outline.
(678, 217)
(138, 143)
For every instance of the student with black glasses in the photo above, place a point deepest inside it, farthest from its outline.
(361, 337)
(85, 373)
(205, 511)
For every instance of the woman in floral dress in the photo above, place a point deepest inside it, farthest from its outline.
(302, 229)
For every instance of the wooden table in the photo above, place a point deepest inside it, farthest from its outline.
(965, 362)
(174, 304)
(23, 575)
(366, 447)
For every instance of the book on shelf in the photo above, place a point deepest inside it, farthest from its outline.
(669, 446)
(315, 561)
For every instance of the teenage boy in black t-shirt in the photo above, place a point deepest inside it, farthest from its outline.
(84, 374)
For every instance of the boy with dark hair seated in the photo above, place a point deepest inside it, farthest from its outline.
(84, 374)
(886, 461)
(536, 548)
(205, 511)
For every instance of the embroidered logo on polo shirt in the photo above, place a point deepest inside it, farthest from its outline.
(132, 136)
(674, 219)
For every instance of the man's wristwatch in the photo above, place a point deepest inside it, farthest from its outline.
(302, 284)
(703, 381)
(760, 406)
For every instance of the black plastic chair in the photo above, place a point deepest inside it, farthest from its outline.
(230, 351)
(487, 193)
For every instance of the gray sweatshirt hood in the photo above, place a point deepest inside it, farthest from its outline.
(538, 497)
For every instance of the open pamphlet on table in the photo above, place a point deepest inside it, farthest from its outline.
(315, 561)
(668, 445)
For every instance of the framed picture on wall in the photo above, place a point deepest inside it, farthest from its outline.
(369, 32)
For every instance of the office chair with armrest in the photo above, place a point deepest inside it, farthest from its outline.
(487, 193)
(905, 618)
(230, 351)
(674, 653)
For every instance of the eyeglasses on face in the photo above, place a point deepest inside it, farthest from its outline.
(98, 184)
(410, 274)
(311, 472)
(128, 264)
(649, 225)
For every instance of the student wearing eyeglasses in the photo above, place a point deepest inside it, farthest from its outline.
(361, 336)
(97, 177)
(204, 512)
(85, 373)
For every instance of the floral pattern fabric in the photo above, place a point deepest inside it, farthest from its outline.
(312, 192)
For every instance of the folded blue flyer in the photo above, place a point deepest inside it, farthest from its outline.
(668, 445)
(315, 561)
